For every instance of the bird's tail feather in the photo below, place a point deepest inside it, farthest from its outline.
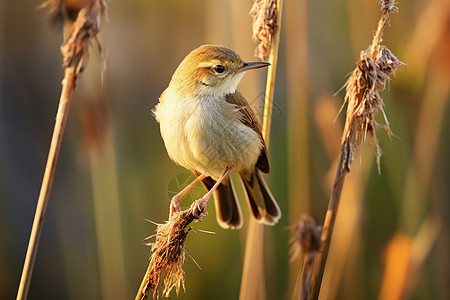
(261, 201)
(228, 210)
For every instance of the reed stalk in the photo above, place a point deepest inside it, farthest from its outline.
(83, 31)
(271, 75)
(47, 181)
(266, 31)
(376, 65)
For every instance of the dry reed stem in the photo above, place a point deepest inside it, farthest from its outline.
(376, 65)
(167, 256)
(266, 32)
(83, 31)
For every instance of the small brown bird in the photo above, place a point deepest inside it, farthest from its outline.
(209, 128)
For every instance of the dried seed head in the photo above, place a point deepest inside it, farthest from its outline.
(84, 20)
(265, 24)
(376, 65)
(388, 6)
(364, 100)
(168, 255)
(64, 10)
(85, 29)
(306, 237)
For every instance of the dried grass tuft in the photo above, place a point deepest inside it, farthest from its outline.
(306, 242)
(265, 25)
(83, 18)
(364, 100)
(305, 237)
(388, 6)
(168, 256)
(81, 32)
(62, 11)
(376, 65)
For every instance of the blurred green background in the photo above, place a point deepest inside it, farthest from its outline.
(392, 231)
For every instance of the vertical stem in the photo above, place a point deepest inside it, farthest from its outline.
(330, 217)
(254, 256)
(253, 281)
(343, 168)
(271, 74)
(142, 292)
(378, 35)
(68, 86)
(308, 267)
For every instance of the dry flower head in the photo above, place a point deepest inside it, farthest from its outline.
(305, 237)
(376, 65)
(83, 18)
(265, 24)
(168, 255)
(388, 6)
(64, 10)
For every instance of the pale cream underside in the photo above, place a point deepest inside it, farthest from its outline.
(206, 134)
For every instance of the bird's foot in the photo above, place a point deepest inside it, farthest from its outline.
(198, 209)
(174, 207)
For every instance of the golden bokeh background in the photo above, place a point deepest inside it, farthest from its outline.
(391, 239)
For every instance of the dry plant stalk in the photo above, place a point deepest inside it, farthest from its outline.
(376, 65)
(168, 255)
(305, 241)
(266, 33)
(83, 30)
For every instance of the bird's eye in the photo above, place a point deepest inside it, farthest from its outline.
(219, 69)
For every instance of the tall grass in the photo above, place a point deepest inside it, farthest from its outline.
(391, 235)
(267, 16)
(83, 31)
(376, 65)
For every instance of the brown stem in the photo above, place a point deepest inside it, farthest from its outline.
(253, 270)
(143, 288)
(82, 31)
(377, 38)
(343, 168)
(47, 181)
(354, 120)
(271, 75)
(308, 267)
(387, 7)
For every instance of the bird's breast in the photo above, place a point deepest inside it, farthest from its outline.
(207, 135)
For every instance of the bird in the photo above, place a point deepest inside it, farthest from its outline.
(209, 128)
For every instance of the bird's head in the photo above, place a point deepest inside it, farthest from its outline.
(211, 70)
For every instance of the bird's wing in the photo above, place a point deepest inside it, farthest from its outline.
(249, 119)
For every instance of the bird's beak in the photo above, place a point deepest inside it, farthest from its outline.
(252, 65)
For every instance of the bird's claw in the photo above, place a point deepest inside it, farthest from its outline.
(174, 207)
(199, 209)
